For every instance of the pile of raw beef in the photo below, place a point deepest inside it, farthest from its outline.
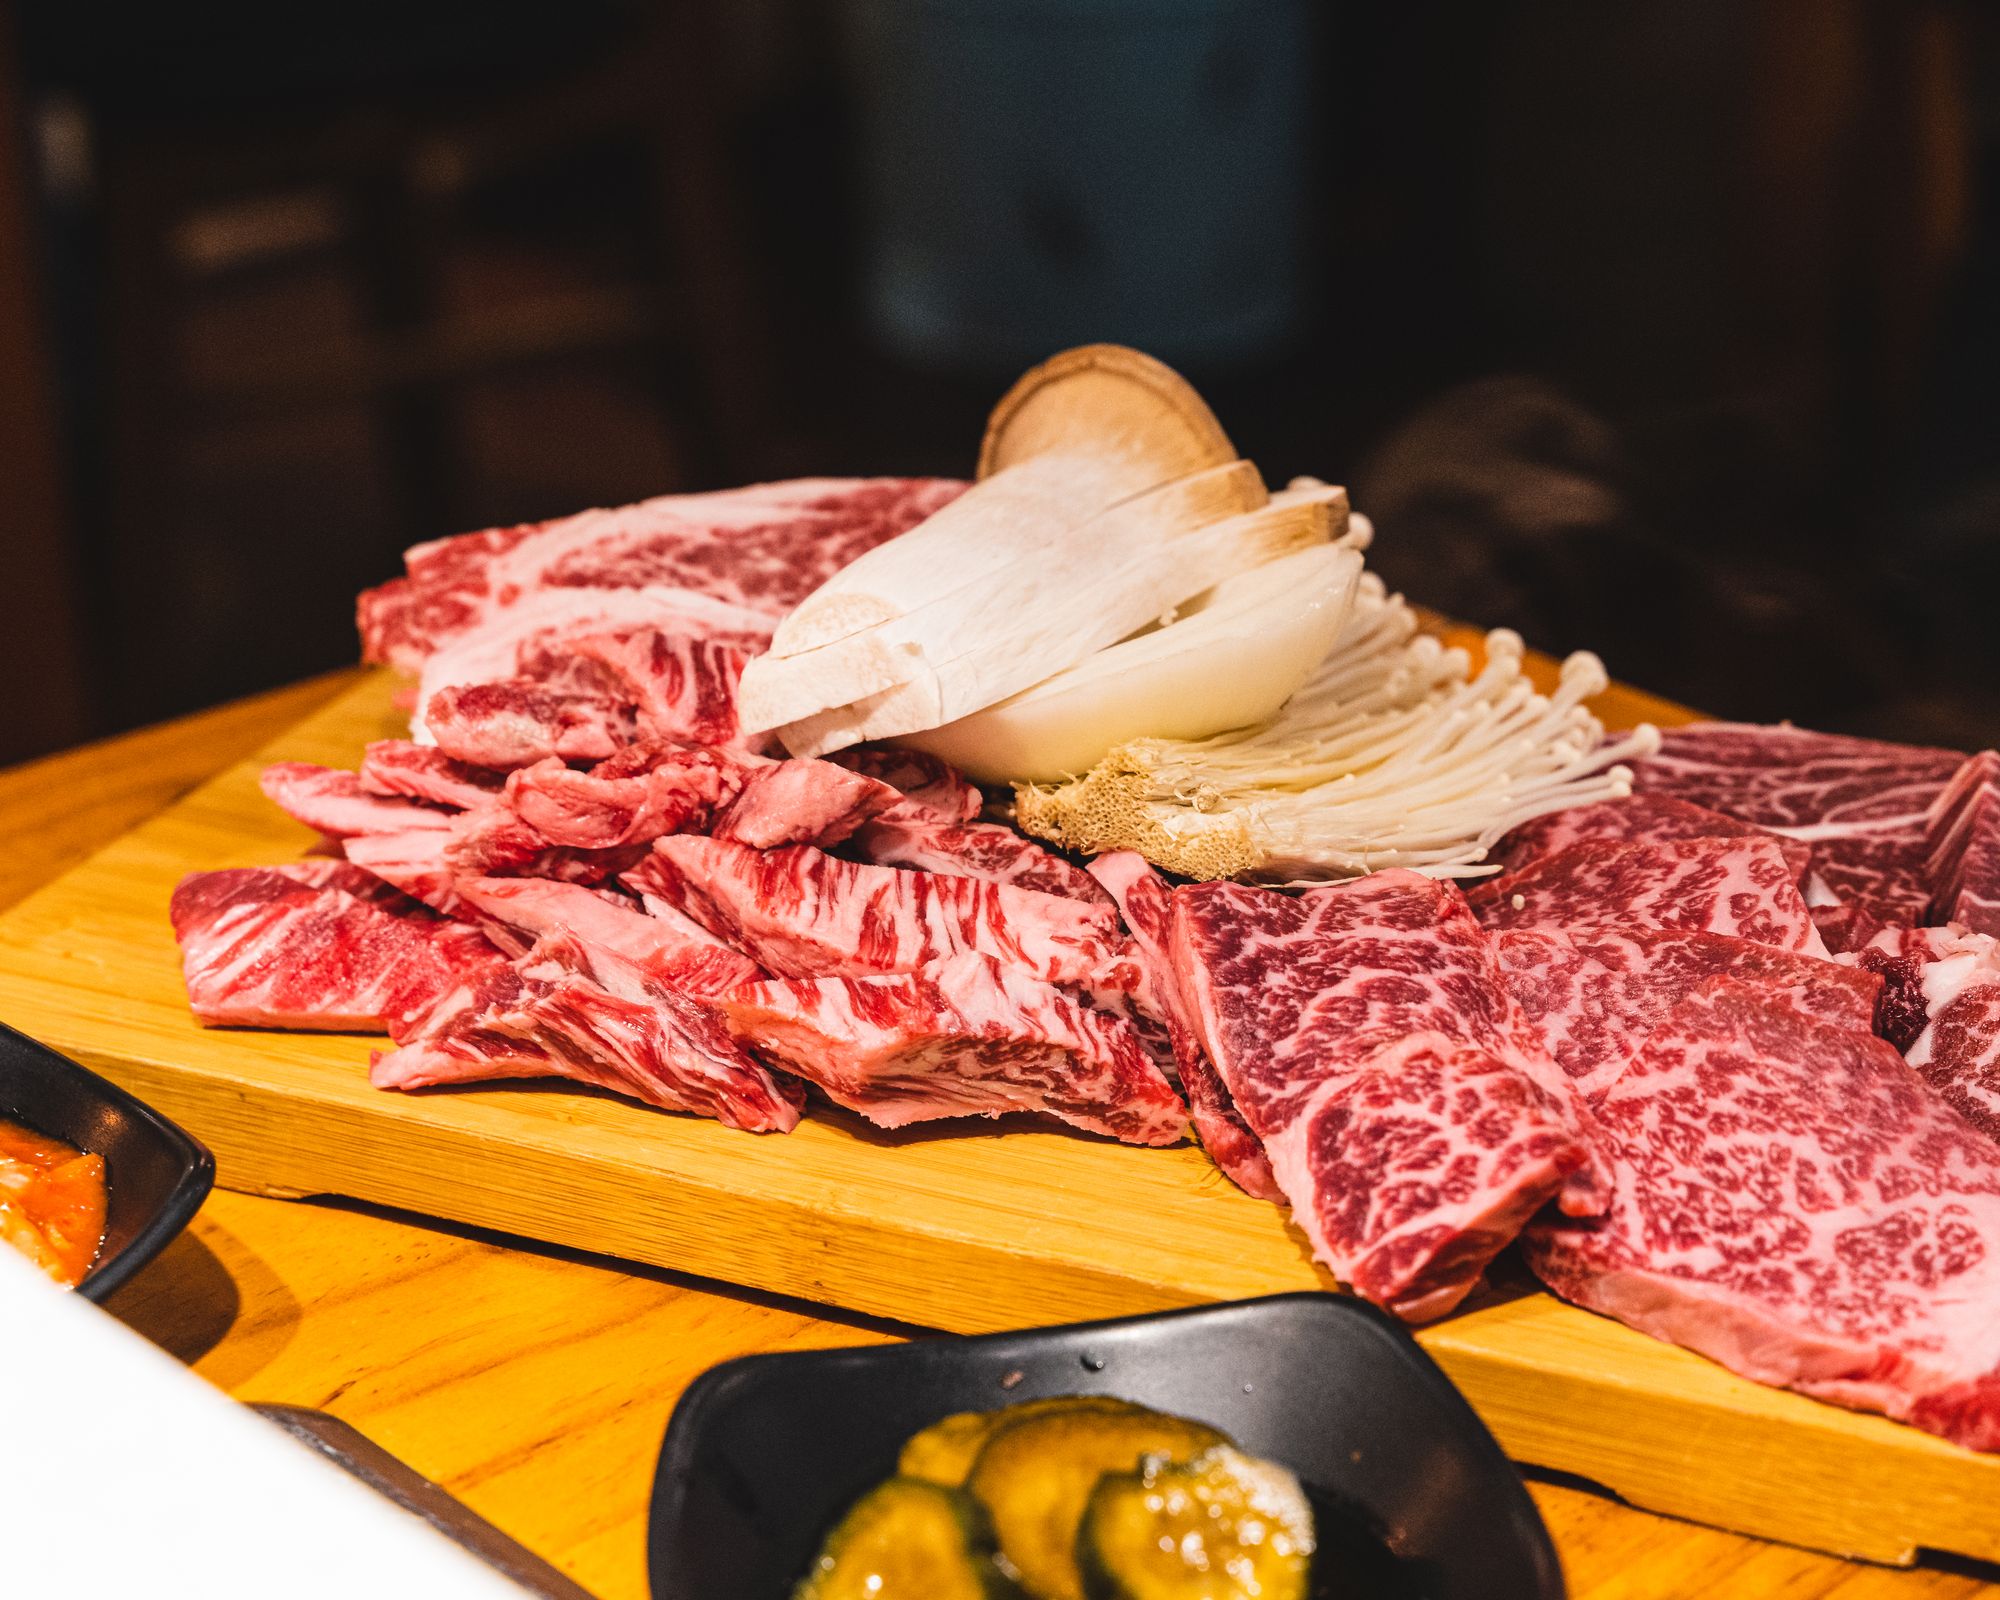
(1724, 1056)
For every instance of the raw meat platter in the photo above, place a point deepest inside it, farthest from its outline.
(1650, 1066)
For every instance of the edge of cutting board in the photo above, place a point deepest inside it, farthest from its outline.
(1008, 1226)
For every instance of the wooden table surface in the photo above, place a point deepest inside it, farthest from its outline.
(535, 1384)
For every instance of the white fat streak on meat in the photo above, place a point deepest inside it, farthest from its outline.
(1941, 1005)
(1794, 1203)
(413, 861)
(1289, 995)
(1745, 888)
(989, 850)
(261, 947)
(966, 1037)
(1594, 997)
(668, 949)
(730, 562)
(1962, 846)
(569, 1009)
(332, 801)
(399, 767)
(1860, 803)
(494, 651)
(799, 912)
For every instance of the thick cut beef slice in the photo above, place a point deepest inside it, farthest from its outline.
(1639, 818)
(1146, 904)
(1796, 1204)
(1741, 887)
(968, 1036)
(562, 1012)
(262, 949)
(1595, 996)
(424, 772)
(1411, 1173)
(799, 912)
(1962, 846)
(1294, 999)
(760, 549)
(802, 802)
(986, 850)
(668, 949)
(333, 801)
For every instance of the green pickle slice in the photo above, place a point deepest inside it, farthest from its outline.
(944, 1452)
(1036, 1473)
(909, 1540)
(1224, 1526)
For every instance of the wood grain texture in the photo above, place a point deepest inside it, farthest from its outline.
(961, 1229)
(482, 1361)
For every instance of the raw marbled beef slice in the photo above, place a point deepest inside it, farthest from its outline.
(262, 949)
(1295, 997)
(799, 912)
(1796, 1204)
(1637, 819)
(1146, 903)
(965, 1037)
(1740, 887)
(1594, 997)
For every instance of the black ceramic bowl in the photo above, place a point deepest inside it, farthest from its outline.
(156, 1177)
(763, 1454)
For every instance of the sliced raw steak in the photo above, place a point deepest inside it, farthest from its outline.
(668, 949)
(548, 1019)
(802, 802)
(1639, 818)
(987, 850)
(1795, 1204)
(760, 549)
(966, 1037)
(799, 912)
(584, 827)
(1315, 1008)
(1596, 996)
(1859, 803)
(1146, 904)
(262, 949)
(1741, 887)
(925, 781)
(424, 772)
(1962, 846)
(412, 861)
(334, 802)
(675, 687)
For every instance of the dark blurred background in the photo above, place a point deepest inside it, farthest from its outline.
(1665, 328)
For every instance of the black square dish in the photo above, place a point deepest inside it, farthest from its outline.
(156, 1176)
(1415, 1498)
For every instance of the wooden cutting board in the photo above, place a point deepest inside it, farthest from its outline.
(991, 1226)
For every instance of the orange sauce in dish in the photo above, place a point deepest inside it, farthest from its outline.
(51, 1202)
